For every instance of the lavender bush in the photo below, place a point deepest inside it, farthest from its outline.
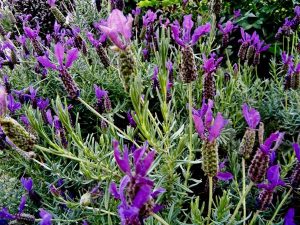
(116, 113)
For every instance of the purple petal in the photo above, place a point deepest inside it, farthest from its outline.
(59, 51)
(158, 192)
(138, 154)
(216, 128)
(123, 164)
(224, 176)
(22, 204)
(198, 124)
(187, 26)
(252, 116)
(46, 217)
(4, 214)
(175, 28)
(143, 166)
(27, 183)
(114, 190)
(297, 150)
(199, 32)
(142, 196)
(289, 217)
(72, 55)
(46, 62)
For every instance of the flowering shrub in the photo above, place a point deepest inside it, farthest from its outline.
(141, 117)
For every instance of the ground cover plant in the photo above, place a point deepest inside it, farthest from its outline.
(149, 112)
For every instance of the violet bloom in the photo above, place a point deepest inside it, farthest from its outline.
(33, 195)
(5, 214)
(210, 64)
(186, 38)
(31, 33)
(289, 217)
(51, 3)
(46, 217)
(226, 31)
(236, 13)
(118, 28)
(25, 120)
(208, 127)
(224, 176)
(103, 101)
(251, 116)
(43, 104)
(149, 18)
(12, 105)
(136, 189)
(131, 119)
(267, 189)
(287, 61)
(65, 62)
(7, 84)
(137, 11)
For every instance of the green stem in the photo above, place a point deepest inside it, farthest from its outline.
(107, 121)
(190, 93)
(159, 219)
(210, 181)
(254, 218)
(279, 206)
(240, 202)
(243, 190)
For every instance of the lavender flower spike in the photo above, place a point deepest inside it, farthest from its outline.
(135, 189)
(118, 28)
(27, 183)
(266, 195)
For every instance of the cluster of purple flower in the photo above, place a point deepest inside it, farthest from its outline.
(292, 77)
(290, 25)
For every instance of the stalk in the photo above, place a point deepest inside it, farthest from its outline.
(279, 206)
(243, 190)
(240, 203)
(159, 219)
(190, 90)
(210, 180)
(254, 218)
(107, 121)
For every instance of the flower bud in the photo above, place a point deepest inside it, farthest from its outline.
(86, 199)
(259, 166)
(256, 59)
(188, 69)
(243, 50)
(250, 52)
(247, 143)
(103, 56)
(209, 86)
(210, 158)
(265, 198)
(59, 16)
(70, 85)
(295, 178)
(24, 218)
(17, 134)
(126, 67)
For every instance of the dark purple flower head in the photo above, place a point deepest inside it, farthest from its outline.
(118, 28)
(96, 42)
(251, 116)
(225, 176)
(237, 13)
(184, 36)
(56, 122)
(207, 127)
(137, 11)
(64, 62)
(155, 77)
(247, 38)
(12, 105)
(22, 204)
(296, 148)
(27, 183)
(43, 103)
(228, 28)
(149, 17)
(21, 39)
(46, 217)
(276, 137)
(210, 64)
(286, 59)
(100, 94)
(31, 33)
(260, 46)
(297, 11)
(135, 189)
(273, 176)
(289, 217)
(130, 119)
(25, 120)
(49, 117)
